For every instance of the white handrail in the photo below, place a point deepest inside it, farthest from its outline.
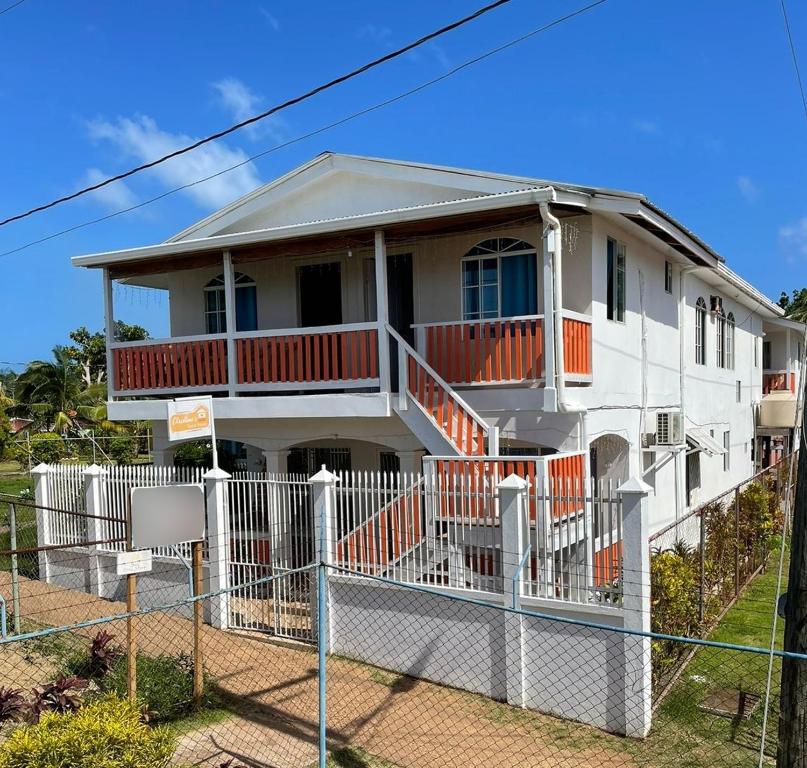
(313, 330)
(481, 321)
(436, 376)
(169, 340)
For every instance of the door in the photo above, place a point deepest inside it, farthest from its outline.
(319, 289)
(400, 295)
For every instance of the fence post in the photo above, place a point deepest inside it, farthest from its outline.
(636, 606)
(737, 543)
(94, 505)
(15, 567)
(513, 518)
(218, 544)
(42, 498)
(323, 494)
(702, 566)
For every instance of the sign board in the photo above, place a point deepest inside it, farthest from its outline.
(165, 515)
(190, 418)
(128, 563)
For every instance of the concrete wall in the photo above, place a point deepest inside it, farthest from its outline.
(568, 670)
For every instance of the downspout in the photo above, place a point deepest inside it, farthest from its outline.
(554, 248)
(682, 294)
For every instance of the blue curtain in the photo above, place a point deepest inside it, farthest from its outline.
(246, 308)
(519, 289)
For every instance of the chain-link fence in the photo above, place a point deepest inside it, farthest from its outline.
(412, 676)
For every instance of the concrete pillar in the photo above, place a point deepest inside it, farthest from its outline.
(410, 462)
(97, 529)
(43, 534)
(229, 314)
(549, 392)
(162, 453)
(636, 606)
(382, 310)
(323, 495)
(277, 462)
(513, 492)
(218, 543)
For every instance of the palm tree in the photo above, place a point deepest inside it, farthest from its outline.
(53, 392)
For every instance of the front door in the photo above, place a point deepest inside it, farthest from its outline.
(400, 297)
(320, 294)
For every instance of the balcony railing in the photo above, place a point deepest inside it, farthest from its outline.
(778, 381)
(502, 351)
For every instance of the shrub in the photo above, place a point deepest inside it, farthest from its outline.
(46, 447)
(164, 684)
(12, 704)
(98, 660)
(123, 449)
(60, 696)
(107, 732)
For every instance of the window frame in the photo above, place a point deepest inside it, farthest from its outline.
(498, 255)
(615, 262)
(668, 277)
(216, 286)
(700, 331)
(720, 339)
(728, 341)
(727, 448)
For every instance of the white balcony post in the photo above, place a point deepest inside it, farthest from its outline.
(789, 352)
(382, 310)
(636, 606)
(218, 544)
(323, 495)
(109, 325)
(229, 314)
(42, 500)
(548, 323)
(513, 515)
(96, 531)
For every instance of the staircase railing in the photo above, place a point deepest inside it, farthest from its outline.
(459, 423)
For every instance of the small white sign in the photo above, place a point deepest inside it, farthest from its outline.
(128, 563)
(190, 418)
(165, 515)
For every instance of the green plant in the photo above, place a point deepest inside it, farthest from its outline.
(98, 660)
(46, 447)
(58, 696)
(123, 449)
(164, 685)
(12, 704)
(107, 733)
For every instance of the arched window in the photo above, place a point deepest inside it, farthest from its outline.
(720, 339)
(499, 279)
(246, 304)
(700, 332)
(730, 326)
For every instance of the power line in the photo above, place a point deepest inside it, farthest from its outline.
(266, 113)
(317, 131)
(795, 58)
(11, 7)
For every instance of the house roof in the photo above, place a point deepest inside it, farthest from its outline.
(452, 191)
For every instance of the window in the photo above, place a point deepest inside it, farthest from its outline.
(766, 355)
(729, 350)
(616, 281)
(755, 342)
(668, 277)
(700, 332)
(499, 279)
(720, 339)
(727, 454)
(246, 304)
(693, 475)
(739, 391)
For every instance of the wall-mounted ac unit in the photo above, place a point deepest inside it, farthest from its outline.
(716, 304)
(669, 428)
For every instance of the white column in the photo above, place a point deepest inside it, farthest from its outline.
(218, 545)
(789, 358)
(636, 606)
(229, 314)
(96, 531)
(548, 328)
(42, 499)
(513, 515)
(109, 325)
(323, 495)
(162, 456)
(277, 462)
(382, 309)
(410, 462)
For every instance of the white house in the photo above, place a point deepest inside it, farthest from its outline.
(361, 313)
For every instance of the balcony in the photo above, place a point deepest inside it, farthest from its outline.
(343, 357)
(778, 381)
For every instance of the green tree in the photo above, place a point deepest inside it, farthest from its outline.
(795, 306)
(89, 349)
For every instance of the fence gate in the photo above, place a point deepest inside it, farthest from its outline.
(271, 533)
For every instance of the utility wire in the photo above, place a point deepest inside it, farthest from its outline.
(266, 113)
(795, 58)
(342, 121)
(11, 7)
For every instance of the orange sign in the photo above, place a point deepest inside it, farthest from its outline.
(189, 418)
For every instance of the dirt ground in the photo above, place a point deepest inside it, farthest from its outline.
(271, 689)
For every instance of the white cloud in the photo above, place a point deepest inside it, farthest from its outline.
(379, 35)
(270, 19)
(748, 189)
(141, 138)
(242, 103)
(440, 54)
(646, 126)
(116, 196)
(793, 240)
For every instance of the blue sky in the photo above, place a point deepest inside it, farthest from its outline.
(692, 103)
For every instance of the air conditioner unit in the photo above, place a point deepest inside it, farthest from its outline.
(716, 303)
(669, 428)
(648, 439)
